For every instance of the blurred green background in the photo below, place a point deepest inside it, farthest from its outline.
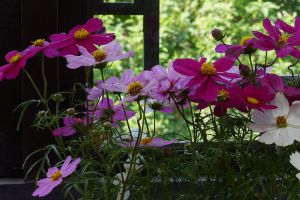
(185, 27)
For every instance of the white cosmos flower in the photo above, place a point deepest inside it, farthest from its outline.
(281, 125)
(295, 161)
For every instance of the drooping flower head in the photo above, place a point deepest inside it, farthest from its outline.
(16, 61)
(95, 92)
(207, 77)
(282, 43)
(41, 45)
(55, 177)
(71, 124)
(107, 111)
(85, 35)
(235, 50)
(110, 52)
(281, 125)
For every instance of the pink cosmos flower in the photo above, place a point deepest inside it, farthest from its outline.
(253, 97)
(234, 51)
(55, 177)
(16, 61)
(287, 28)
(83, 35)
(275, 84)
(148, 142)
(283, 44)
(132, 86)
(96, 92)
(105, 112)
(71, 123)
(40, 45)
(162, 82)
(207, 77)
(110, 53)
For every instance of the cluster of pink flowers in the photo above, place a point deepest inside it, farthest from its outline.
(218, 83)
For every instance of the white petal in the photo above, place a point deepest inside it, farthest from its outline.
(295, 159)
(269, 137)
(262, 121)
(284, 138)
(282, 105)
(298, 176)
(295, 131)
(294, 114)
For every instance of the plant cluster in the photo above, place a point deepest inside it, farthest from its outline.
(242, 122)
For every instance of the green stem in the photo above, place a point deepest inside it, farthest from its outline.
(44, 76)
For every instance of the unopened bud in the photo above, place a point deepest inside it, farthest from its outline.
(70, 111)
(244, 70)
(107, 125)
(217, 34)
(57, 97)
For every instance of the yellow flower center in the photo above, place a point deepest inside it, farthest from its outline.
(99, 55)
(146, 140)
(283, 39)
(15, 59)
(81, 34)
(38, 42)
(134, 88)
(244, 40)
(223, 95)
(281, 121)
(252, 100)
(208, 69)
(56, 175)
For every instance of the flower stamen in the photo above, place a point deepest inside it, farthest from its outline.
(208, 69)
(223, 95)
(281, 121)
(244, 40)
(56, 175)
(99, 55)
(283, 39)
(134, 88)
(252, 100)
(15, 59)
(145, 141)
(38, 43)
(81, 34)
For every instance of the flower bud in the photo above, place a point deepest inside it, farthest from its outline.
(217, 34)
(244, 70)
(57, 97)
(107, 125)
(70, 111)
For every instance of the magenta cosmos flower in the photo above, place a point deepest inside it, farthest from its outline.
(282, 43)
(83, 35)
(207, 77)
(40, 45)
(71, 124)
(275, 84)
(162, 82)
(287, 28)
(16, 61)
(253, 97)
(147, 142)
(234, 51)
(130, 85)
(55, 177)
(110, 53)
(107, 110)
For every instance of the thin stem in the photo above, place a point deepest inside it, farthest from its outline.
(33, 84)
(44, 76)
(230, 51)
(154, 120)
(127, 122)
